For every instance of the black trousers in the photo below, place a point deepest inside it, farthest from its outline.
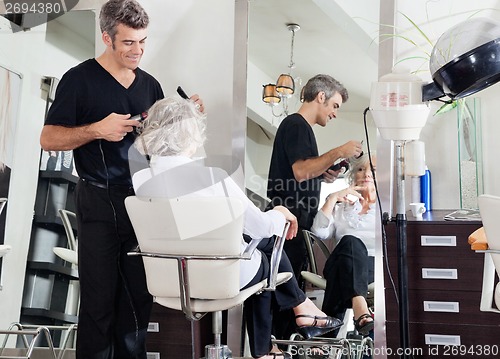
(114, 301)
(259, 309)
(348, 271)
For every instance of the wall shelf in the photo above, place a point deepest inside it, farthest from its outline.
(69, 273)
(35, 313)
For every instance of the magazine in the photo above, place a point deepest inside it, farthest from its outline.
(464, 215)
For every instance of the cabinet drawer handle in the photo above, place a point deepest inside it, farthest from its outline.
(438, 339)
(153, 355)
(437, 306)
(439, 273)
(438, 241)
(153, 327)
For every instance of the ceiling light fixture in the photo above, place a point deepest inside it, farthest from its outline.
(273, 94)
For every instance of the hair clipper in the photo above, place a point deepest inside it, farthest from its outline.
(342, 164)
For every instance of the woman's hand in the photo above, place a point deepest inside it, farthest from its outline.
(294, 226)
(341, 196)
(198, 103)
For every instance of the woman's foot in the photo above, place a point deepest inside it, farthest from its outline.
(308, 314)
(363, 320)
(312, 322)
(364, 324)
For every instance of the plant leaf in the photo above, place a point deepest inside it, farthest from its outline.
(418, 28)
(446, 107)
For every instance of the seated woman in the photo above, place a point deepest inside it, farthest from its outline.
(171, 134)
(351, 222)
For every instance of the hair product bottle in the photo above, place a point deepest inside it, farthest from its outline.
(425, 189)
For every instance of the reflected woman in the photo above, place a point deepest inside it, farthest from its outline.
(348, 216)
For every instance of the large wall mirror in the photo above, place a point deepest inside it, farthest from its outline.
(336, 37)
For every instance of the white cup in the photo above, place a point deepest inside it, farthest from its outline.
(417, 209)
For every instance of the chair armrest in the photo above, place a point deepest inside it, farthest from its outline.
(252, 246)
(276, 258)
(493, 251)
(137, 252)
(488, 290)
(310, 240)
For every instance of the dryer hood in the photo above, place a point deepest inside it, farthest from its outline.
(465, 60)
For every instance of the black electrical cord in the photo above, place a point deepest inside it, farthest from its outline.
(383, 216)
(125, 284)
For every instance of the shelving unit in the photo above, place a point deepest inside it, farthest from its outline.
(47, 276)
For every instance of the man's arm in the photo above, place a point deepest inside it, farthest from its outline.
(61, 138)
(315, 167)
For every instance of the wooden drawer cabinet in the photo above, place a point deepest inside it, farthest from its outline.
(432, 306)
(451, 340)
(442, 273)
(444, 290)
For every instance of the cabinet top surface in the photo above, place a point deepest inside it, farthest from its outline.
(437, 216)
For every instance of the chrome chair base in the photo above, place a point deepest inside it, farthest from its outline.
(354, 347)
(214, 351)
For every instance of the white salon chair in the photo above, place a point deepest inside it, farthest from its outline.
(3, 202)
(191, 249)
(69, 253)
(4, 248)
(489, 207)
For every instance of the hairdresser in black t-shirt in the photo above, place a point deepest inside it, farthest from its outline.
(91, 116)
(297, 169)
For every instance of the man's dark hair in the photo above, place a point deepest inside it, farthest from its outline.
(127, 12)
(324, 83)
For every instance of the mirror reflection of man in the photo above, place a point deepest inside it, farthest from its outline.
(297, 170)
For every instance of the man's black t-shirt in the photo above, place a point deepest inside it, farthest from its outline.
(294, 141)
(88, 93)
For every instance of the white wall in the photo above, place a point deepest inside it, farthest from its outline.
(440, 133)
(191, 44)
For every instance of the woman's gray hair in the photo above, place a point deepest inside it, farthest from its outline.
(173, 127)
(355, 163)
(127, 12)
(324, 83)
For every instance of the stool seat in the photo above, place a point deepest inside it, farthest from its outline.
(66, 254)
(4, 249)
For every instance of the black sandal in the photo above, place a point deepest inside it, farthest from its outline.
(365, 328)
(309, 331)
